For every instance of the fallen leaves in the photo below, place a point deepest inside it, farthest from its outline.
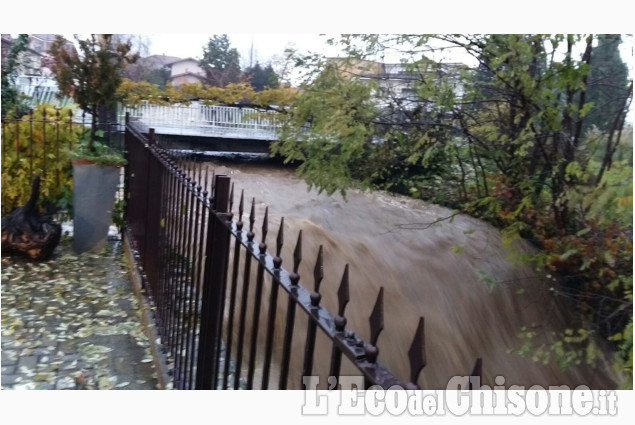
(72, 314)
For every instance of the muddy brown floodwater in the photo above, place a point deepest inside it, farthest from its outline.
(432, 272)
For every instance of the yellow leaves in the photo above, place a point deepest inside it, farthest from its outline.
(133, 93)
(234, 93)
(191, 90)
(574, 171)
(281, 97)
(625, 201)
(457, 249)
(31, 146)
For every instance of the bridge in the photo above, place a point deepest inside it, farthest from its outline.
(202, 127)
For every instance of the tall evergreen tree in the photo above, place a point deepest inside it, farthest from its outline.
(11, 98)
(608, 82)
(221, 61)
(262, 78)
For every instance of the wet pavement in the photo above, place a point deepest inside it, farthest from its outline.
(73, 322)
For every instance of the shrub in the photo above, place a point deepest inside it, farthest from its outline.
(38, 144)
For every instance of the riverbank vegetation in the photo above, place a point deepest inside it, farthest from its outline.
(531, 137)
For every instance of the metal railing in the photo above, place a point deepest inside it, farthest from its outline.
(182, 230)
(213, 121)
(39, 143)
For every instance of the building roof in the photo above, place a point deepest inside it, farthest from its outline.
(159, 60)
(139, 70)
(183, 60)
(44, 37)
(153, 62)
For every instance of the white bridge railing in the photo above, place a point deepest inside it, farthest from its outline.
(194, 119)
(212, 121)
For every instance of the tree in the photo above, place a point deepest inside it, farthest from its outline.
(92, 75)
(260, 78)
(140, 43)
(11, 98)
(503, 141)
(329, 148)
(151, 69)
(159, 76)
(283, 65)
(221, 61)
(608, 82)
(610, 93)
(527, 126)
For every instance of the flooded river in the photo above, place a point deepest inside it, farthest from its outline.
(431, 271)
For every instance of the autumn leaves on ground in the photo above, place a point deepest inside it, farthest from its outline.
(73, 323)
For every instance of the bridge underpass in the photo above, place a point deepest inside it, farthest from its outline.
(214, 144)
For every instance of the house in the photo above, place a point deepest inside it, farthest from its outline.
(352, 68)
(7, 42)
(153, 68)
(41, 43)
(35, 59)
(186, 70)
(34, 77)
(395, 80)
(29, 61)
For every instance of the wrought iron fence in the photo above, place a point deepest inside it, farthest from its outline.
(38, 143)
(213, 323)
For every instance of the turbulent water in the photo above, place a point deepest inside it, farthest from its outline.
(431, 271)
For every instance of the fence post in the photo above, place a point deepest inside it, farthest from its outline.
(151, 138)
(216, 256)
(126, 174)
(152, 218)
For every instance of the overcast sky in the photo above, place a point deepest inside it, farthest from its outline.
(265, 46)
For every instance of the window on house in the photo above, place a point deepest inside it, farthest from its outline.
(408, 92)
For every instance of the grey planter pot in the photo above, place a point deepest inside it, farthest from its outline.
(94, 189)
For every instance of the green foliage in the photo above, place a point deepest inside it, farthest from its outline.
(38, 144)
(571, 347)
(92, 76)
(99, 153)
(329, 130)
(13, 103)
(261, 78)
(505, 142)
(608, 82)
(491, 281)
(118, 214)
(221, 61)
(158, 77)
(624, 361)
(218, 52)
